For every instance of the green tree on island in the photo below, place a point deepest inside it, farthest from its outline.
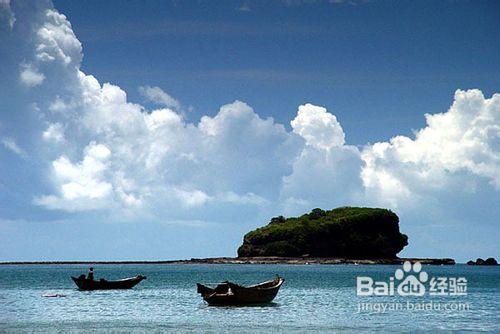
(349, 232)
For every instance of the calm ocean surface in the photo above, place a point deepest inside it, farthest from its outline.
(313, 298)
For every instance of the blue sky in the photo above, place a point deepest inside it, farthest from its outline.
(163, 163)
(373, 60)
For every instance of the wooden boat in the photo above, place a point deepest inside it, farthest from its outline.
(127, 283)
(228, 293)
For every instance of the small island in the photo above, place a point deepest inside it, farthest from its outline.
(346, 232)
(491, 261)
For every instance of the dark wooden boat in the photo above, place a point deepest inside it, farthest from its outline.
(127, 283)
(228, 293)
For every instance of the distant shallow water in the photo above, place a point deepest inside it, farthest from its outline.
(313, 298)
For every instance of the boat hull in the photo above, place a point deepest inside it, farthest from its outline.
(228, 293)
(84, 284)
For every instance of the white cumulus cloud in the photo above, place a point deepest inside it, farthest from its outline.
(81, 186)
(30, 76)
(160, 97)
(465, 139)
(54, 132)
(318, 127)
(56, 40)
(158, 161)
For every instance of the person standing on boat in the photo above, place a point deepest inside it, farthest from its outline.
(90, 275)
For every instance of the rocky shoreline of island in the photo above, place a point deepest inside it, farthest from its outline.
(317, 260)
(253, 260)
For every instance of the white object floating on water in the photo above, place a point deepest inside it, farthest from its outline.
(53, 295)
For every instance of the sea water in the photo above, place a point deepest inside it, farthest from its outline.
(313, 298)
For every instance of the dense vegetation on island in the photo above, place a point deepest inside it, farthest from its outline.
(349, 232)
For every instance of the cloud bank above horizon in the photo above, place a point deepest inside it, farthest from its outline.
(101, 154)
